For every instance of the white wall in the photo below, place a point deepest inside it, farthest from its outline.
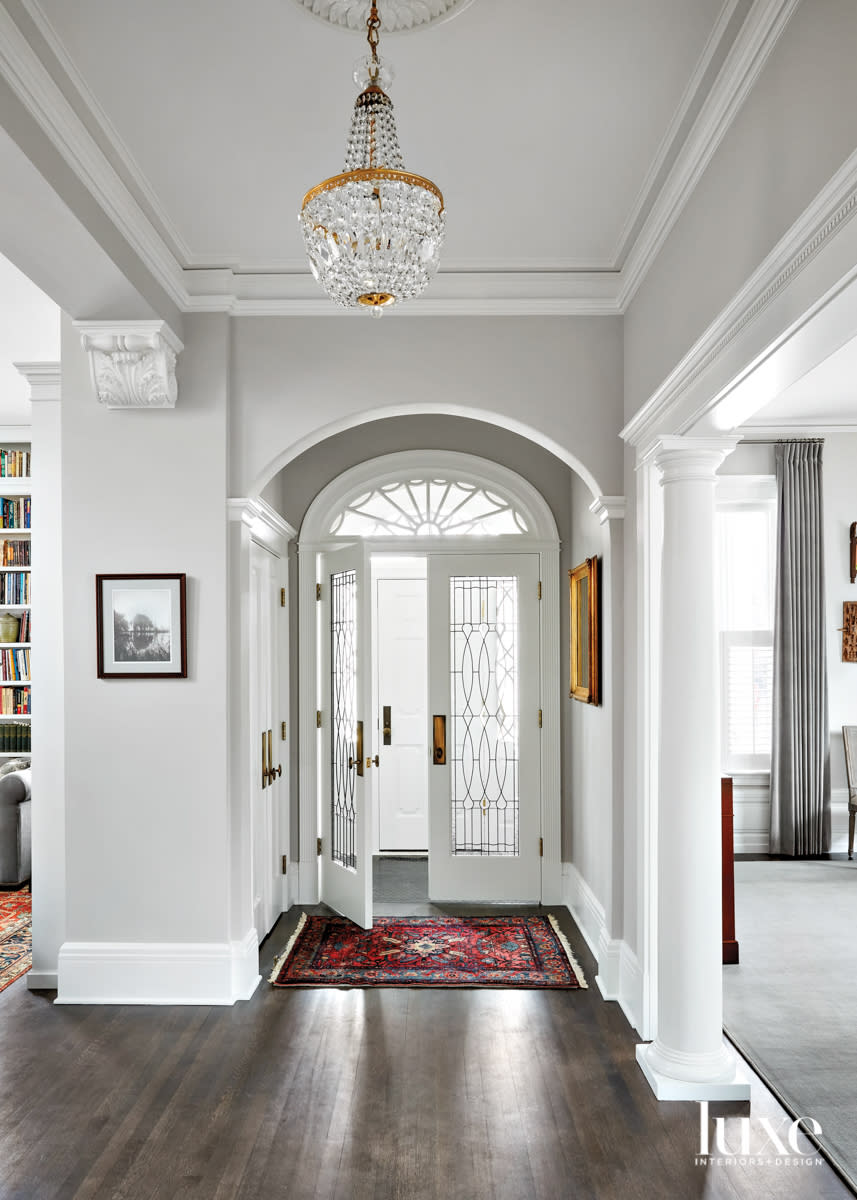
(146, 790)
(557, 379)
(795, 130)
(29, 332)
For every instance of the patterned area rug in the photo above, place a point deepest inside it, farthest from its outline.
(15, 935)
(442, 952)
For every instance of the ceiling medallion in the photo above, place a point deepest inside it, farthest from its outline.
(399, 15)
(373, 233)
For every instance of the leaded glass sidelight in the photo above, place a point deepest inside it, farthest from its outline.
(343, 707)
(484, 715)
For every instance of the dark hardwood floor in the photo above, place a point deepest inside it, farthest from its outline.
(354, 1095)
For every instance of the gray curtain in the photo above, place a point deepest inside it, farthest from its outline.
(800, 758)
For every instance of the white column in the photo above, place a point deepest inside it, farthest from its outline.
(688, 1059)
(48, 720)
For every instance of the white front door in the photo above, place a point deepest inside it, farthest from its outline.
(266, 788)
(484, 687)
(347, 744)
(402, 707)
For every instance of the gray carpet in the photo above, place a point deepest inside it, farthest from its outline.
(791, 1003)
(399, 879)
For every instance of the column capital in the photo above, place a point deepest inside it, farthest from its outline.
(132, 363)
(608, 508)
(691, 459)
(44, 378)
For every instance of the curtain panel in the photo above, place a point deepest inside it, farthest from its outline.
(800, 758)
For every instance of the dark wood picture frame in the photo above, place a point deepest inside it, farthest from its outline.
(584, 640)
(149, 643)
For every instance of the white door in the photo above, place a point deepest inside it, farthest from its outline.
(484, 685)
(402, 708)
(347, 744)
(266, 767)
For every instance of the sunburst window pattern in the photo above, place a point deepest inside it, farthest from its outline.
(484, 683)
(429, 508)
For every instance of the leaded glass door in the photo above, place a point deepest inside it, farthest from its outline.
(347, 736)
(484, 684)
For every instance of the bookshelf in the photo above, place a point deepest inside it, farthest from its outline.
(15, 595)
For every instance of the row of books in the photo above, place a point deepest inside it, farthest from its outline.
(15, 664)
(14, 464)
(15, 513)
(15, 587)
(15, 553)
(24, 628)
(14, 735)
(14, 702)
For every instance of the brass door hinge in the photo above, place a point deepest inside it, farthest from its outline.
(541, 847)
(282, 731)
(285, 863)
(282, 597)
(318, 718)
(540, 718)
(540, 589)
(318, 591)
(318, 845)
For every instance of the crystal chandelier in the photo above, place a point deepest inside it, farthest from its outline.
(374, 233)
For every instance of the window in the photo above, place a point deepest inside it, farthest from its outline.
(423, 507)
(746, 547)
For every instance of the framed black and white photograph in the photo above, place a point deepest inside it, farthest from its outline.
(141, 626)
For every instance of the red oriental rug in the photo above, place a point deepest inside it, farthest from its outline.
(441, 952)
(15, 935)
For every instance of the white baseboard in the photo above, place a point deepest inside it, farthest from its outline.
(619, 975)
(41, 981)
(158, 973)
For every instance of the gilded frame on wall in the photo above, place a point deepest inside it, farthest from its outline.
(584, 640)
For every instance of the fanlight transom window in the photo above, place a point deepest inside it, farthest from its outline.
(429, 507)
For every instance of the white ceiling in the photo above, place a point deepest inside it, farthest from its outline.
(825, 398)
(549, 125)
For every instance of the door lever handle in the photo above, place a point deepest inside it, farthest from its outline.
(439, 747)
(376, 760)
(387, 730)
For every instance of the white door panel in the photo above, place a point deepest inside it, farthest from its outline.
(347, 745)
(484, 681)
(264, 687)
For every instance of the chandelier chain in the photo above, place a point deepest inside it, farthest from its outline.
(373, 25)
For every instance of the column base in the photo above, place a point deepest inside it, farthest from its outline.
(730, 1084)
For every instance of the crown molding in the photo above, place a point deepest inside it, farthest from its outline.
(744, 63)
(44, 101)
(44, 378)
(773, 431)
(261, 519)
(132, 363)
(570, 291)
(647, 196)
(821, 221)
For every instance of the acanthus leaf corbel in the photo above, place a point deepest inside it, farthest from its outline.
(132, 363)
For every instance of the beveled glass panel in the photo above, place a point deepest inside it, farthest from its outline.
(429, 508)
(343, 707)
(483, 738)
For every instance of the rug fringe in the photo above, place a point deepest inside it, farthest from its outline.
(575, 965)
(291, 944)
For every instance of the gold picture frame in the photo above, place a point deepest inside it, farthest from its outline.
(584, 642)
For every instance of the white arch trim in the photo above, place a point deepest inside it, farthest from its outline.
(437, 464)
(352, 420)
(543, 538)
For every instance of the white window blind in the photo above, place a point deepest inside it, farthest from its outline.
(746, 560)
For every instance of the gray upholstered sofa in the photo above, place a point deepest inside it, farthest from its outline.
(15, 828)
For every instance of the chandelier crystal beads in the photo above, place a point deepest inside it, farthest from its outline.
(373, 233)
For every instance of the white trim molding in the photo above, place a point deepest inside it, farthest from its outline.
(44, 378)
(158, 973)
(608, 508)
(619, 976)
(132, 363)
(264, 522)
